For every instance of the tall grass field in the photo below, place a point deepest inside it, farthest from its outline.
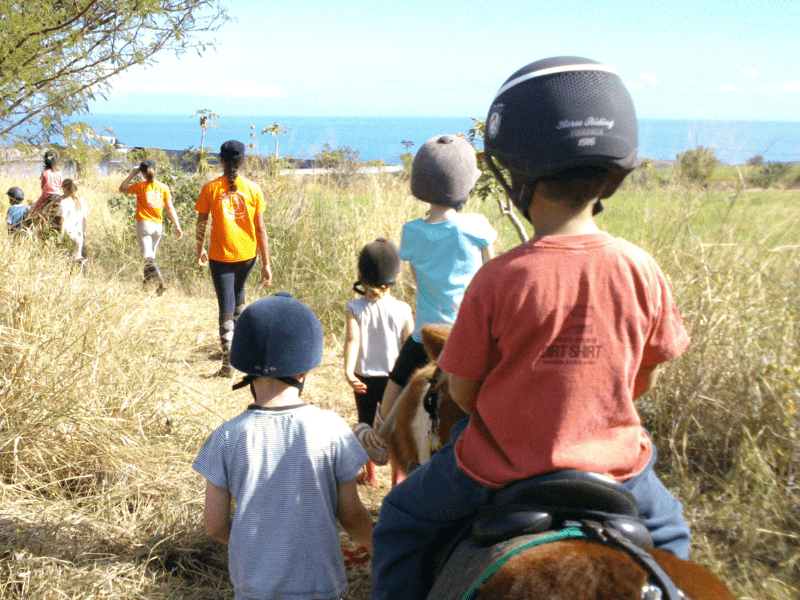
(106, 392)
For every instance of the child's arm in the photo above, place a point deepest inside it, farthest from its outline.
(487, 253)
(408, 329)
(217, 516)
(464, 392)
(645, 380)
(124, 187)
(352, 514)
(351, 345)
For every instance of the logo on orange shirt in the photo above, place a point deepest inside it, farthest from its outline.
(154, 198)
(233, 206)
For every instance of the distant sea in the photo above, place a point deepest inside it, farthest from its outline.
(734, 142)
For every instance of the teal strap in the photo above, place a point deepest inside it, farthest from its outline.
(567, 533)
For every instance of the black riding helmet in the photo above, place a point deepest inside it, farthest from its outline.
(378, 264)
(558, 114)
(16, 194)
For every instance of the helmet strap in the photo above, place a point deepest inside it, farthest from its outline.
(489, 159)
(295, 383)
(358, 289)
(249, 379)
(516, 196)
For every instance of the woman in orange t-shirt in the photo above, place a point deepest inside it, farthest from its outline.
(238, 234)
(152, 197)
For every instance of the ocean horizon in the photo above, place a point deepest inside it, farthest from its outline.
(381, 138)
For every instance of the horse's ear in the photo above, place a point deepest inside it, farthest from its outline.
(433, 339)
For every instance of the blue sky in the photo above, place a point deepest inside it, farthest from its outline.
(681, 59)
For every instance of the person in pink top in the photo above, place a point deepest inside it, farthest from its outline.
(51, 180)
(555, 339)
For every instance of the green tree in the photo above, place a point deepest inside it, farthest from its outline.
(275, 129)
(487, 186)
(57, 56)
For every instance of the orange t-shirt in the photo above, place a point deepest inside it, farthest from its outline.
(151, 198)
(233, 218)
(556, 331)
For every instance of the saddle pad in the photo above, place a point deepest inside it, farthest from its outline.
(470, 563)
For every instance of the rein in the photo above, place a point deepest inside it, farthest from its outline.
(430, 402)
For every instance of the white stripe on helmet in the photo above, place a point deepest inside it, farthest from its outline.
(550, 71)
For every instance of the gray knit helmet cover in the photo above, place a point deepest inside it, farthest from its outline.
(444, 171)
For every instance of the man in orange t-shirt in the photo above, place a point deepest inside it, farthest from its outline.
(554, 339)
(238, 233)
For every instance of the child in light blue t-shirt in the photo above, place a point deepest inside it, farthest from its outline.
(445, 249)
(17, 212)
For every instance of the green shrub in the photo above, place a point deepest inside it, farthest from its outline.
(697, 166)
(768, 174)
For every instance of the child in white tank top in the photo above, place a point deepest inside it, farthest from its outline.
(377, 326)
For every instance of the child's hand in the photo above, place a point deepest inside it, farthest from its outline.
(178, 233)
(202, 258)
(359, 387)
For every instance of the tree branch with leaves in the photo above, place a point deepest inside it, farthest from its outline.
(488, 186)
(55, 57)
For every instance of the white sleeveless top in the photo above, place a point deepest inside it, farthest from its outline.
(380, 324)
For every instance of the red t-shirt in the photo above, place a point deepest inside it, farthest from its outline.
(556, 330)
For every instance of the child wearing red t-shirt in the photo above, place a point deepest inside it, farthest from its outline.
(556, 338)
(51, 179)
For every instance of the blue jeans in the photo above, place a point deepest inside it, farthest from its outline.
(438, 495)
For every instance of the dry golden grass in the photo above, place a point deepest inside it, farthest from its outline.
(105, 396)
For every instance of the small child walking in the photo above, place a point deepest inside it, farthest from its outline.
(17, 212)
(445, 249)
(290, 467)
(377, 326)
(74, 213)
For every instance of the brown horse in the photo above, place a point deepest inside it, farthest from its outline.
(568, 569)
(410, 431)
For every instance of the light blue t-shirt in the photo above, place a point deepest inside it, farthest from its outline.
(15, 215)
(282, 467)
(445, 256)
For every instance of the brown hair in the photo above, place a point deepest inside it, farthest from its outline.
(71, 187)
